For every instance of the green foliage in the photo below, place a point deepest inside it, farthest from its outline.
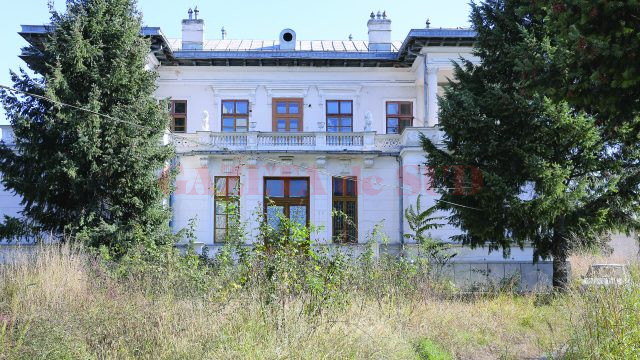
(609, 321)
(232, 263)
(382, 275)
(547, 174)
(12, 332)
(420, 222)
(288, 266)
(15, 230)
(428, 350)
(63, 302)
(151, 267)
(594, 46)
(82, 174)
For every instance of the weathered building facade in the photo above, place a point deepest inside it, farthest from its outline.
(305, 128)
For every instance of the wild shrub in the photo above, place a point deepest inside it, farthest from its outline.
(155, 267)
(431, 252)
(285, 266)
(606, 325)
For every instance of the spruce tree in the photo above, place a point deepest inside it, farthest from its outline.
(89, 174)
(550, 177)
(595, 46)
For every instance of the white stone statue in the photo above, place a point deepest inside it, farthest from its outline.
(205, 120)
(368, 121)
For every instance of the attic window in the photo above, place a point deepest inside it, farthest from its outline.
(287, 36)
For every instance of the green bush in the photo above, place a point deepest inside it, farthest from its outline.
(428, 350)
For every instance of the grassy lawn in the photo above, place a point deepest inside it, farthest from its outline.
(61, 304)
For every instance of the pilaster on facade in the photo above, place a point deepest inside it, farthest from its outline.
(432, 95)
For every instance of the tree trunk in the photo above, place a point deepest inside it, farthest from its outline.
(560, 252)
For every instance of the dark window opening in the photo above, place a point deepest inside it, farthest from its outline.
(178, 112)
(345, 206)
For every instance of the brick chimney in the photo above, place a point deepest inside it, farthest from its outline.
(379, 32)
(192, 31)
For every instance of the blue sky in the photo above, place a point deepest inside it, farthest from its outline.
(312, 20)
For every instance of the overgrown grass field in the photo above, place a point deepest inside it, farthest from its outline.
(66, 302)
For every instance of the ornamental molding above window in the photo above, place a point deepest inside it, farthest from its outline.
(338, 89)
(287, 90)
(229, 92)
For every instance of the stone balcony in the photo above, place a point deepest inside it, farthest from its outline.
(206, 141)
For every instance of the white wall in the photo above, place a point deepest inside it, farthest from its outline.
(369, 88)
(377, 191)
(9, 203)
(205, 87)
(417, 184)
(378, 195)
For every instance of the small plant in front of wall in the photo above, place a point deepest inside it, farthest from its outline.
(436, 253)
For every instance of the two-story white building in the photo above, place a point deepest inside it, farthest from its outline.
(303, 127)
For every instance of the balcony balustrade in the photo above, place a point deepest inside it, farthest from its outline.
(205, 141)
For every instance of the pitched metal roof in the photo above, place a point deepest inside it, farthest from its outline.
(338, 53)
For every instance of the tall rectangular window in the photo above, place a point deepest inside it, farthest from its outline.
(178, 112)
(235, 115)
(399, 116)
(288, 197)
(227, 206)
(339, 116)
(345, 203)
(287, 114)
